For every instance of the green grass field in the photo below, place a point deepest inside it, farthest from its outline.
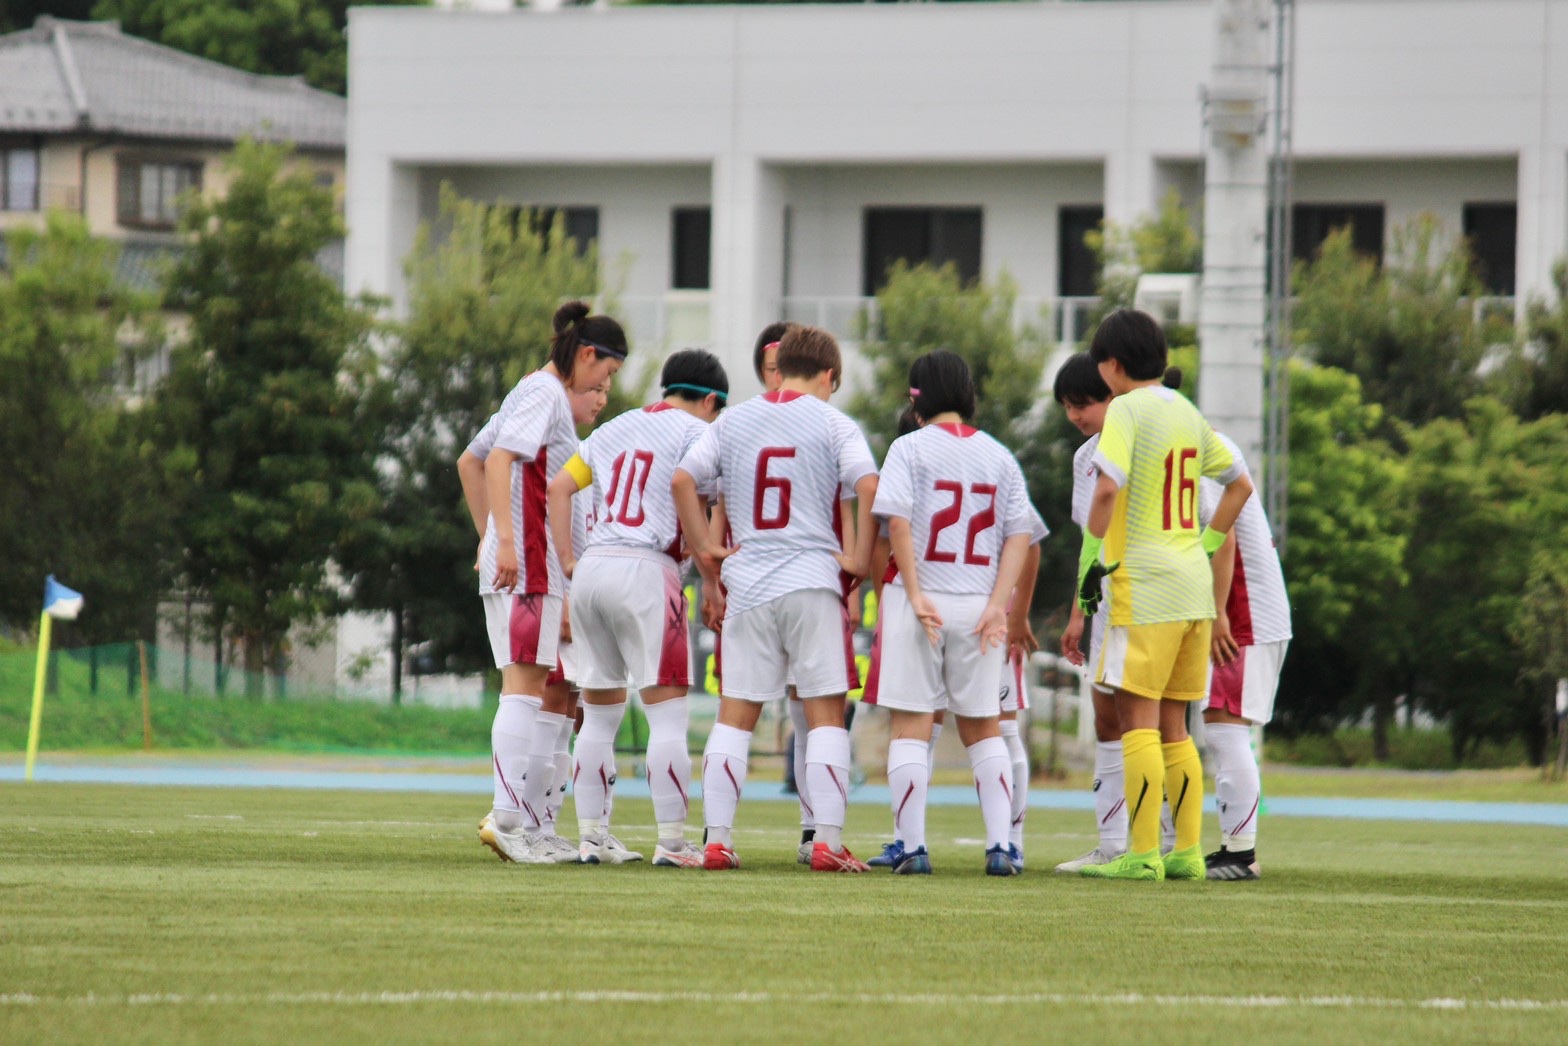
(192, 915)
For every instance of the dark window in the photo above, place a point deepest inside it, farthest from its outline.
(920, 234)
(150, 190)
(692, 234)
(1077, 269)
(18, 179)
(1311, 224)
(1493, 232)
(581, 223)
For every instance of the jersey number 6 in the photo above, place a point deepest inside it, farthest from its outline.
(766, 483)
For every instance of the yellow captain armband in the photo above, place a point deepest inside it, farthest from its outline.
(580, 472)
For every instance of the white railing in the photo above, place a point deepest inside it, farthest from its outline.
(849, 317)
(675, 319)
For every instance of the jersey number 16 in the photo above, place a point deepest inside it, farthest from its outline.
(1181, 488)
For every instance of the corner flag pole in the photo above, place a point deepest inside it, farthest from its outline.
(59, 602)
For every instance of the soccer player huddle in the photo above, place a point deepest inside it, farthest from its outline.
(779, 504)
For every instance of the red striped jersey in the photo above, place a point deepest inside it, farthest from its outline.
(540, 430)
(632, 459)
(782, 459)
(963, 495)
(1259, 606)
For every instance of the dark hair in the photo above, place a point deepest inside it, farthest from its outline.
(805, 352)
(1078, 382)
(1172, 378)
(772, 334)
(940, 382)
(1133, 338)
(908, 421)
(692, 374)
(574, 328)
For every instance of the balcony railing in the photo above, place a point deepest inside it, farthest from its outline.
(850, 317)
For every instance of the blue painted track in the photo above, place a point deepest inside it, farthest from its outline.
(208, 776)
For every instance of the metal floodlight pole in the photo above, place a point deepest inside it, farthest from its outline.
(1281, 190)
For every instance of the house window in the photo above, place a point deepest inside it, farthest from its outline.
(1493, 232)
(692, 235)
(580, 223)
(18, 179)
(1311, 224)
(1077, 269)
(920, 234)
(150, 191)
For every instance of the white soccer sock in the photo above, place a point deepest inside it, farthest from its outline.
(1110, 799)
(1167, 826)
(1237, 787)
(1020, 759)
(593, 769)
(936, 734)
(509, 732)
(563, 773)
(994, 781)
(908, 778)
(539, 782)
(827, 772)
(724, 763)
(797, 718)
(669, 768)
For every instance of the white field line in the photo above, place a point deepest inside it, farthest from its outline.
(417, 998)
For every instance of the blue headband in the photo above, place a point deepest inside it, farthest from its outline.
(699, 388)
(601, 350)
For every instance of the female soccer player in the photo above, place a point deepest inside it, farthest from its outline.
(629, 607)
(536, 438)
(959, 521)
(1154, 448)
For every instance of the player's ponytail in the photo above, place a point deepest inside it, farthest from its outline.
(574, 327)
(940, 383)
(1172, 378)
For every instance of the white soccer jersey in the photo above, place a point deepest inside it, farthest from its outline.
(1259, 607)
(632, 459)
(963, 495)
(1085, 476)
(540, 430)
(783, 458)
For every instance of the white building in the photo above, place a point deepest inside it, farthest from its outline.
(738, 164)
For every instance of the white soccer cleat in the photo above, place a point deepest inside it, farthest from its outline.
(803, 852)
(516, 847)
(557, 849)
(616, 852)
(1095, 856)
(687, 855)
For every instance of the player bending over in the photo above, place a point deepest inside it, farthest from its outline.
(629, 614)
(782, 459)
(959, 522)
(1153, 449)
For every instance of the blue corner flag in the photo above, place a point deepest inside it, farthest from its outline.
(60, 602)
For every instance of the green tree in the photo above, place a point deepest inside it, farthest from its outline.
(21, 14)
(925, 308)
(1537, 373)
(1408, 330)
(267, 409)
(1167, 241)
(481, 297)
(1345, 564)
(82, 493)
(279, 37)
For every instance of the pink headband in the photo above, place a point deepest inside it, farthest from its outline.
(913, 392)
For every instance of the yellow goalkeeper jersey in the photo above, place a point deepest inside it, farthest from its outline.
(1155, 446)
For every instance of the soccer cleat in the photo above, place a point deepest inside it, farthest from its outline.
(516, 847)
(807, 840)
(591, 850)
(1146, 866)
(1016, 856)
(687, 855)
(717, 857)
(891, 854)
(826, 860)
(1184, 864)
(559, 850)
(997, 862)
(915, 862)
(1099, 855)
(615, 851)
(1233, 865)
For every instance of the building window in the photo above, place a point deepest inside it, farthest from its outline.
(18, 179)
(1311, 224)
(150, 191)
(581, 224)
(1492, 230)
(920, 234)
(692, 236)
(1077, 268)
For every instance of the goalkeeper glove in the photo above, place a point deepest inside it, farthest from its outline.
(1212, 540)
(1090, 572)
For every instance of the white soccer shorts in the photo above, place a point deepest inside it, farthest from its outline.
(498, 626)
(1015, 692)
(919, 677)
(1246, 686)
(799, 635)
(629, 618)
(535, 629)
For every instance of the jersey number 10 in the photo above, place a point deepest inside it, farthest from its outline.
(638, 467)
(1181, 489)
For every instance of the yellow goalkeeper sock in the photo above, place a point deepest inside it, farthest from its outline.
(1144, 768)
(1184, 787)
